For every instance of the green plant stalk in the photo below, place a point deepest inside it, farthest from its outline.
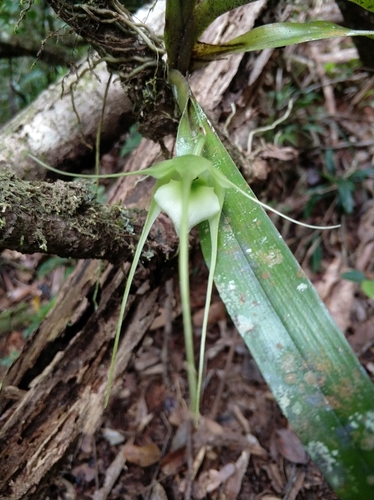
(177, 36)
(314, 375)
(183, 265)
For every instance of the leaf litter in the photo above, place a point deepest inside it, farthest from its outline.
(146, 446)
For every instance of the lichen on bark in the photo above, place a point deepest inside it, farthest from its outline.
(64, 218)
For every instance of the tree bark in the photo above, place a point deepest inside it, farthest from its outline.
(55, 390)
(50, 130)
(63, 218)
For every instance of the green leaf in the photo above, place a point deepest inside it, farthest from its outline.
(51, 264)
(365, 4)
(273, 36)
(356, 276)
(345, 189)
(313, 373)
(367, 286)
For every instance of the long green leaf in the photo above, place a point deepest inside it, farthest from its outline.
(273, 36)
(313, 373)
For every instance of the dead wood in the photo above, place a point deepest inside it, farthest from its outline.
(50, 129)
(63, 218)
(55, 390)
(133, 52)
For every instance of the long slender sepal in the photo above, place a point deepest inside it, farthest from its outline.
(225, 182)
(153, 213)
(158, 171)
(213, 229)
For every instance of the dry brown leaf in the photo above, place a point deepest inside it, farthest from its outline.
(290, 447)
(217, 312)
(363, 335)
(173, 461)
(142, 455)
(210, 480)
(83, 472)
(337, 294)
(234, 483)
(158, 492)
(219, 477)
(279, 153)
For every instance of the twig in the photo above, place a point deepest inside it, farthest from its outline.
(111, 476)
(230, 356)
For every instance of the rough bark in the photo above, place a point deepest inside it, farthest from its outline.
(55, 390)
(131, 51)
(63, 218)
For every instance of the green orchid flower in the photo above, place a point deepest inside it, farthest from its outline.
(190, 191)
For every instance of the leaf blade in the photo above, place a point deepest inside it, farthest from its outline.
(306, 362)
(274, 36)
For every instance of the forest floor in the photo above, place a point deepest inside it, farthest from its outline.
(318, 167)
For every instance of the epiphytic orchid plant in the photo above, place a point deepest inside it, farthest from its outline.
(190, 191)
(314, 375)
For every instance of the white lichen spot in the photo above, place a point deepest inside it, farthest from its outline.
(283, 398)
(354, 420)
(244, 324)
(369, 422)
(272, 258)
(249, 250)
(231, 285)
(354, 425)
(302, 287)
(320, 453)
(297, 408)
(284, 401)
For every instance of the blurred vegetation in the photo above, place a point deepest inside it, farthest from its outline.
(36, 48)
(34, 52)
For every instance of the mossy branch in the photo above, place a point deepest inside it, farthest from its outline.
(65, 219)
(132, 52)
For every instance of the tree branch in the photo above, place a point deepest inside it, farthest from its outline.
(20, 46)
(133, 52)
(63, 218)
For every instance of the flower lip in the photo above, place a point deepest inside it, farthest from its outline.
(203, 203)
